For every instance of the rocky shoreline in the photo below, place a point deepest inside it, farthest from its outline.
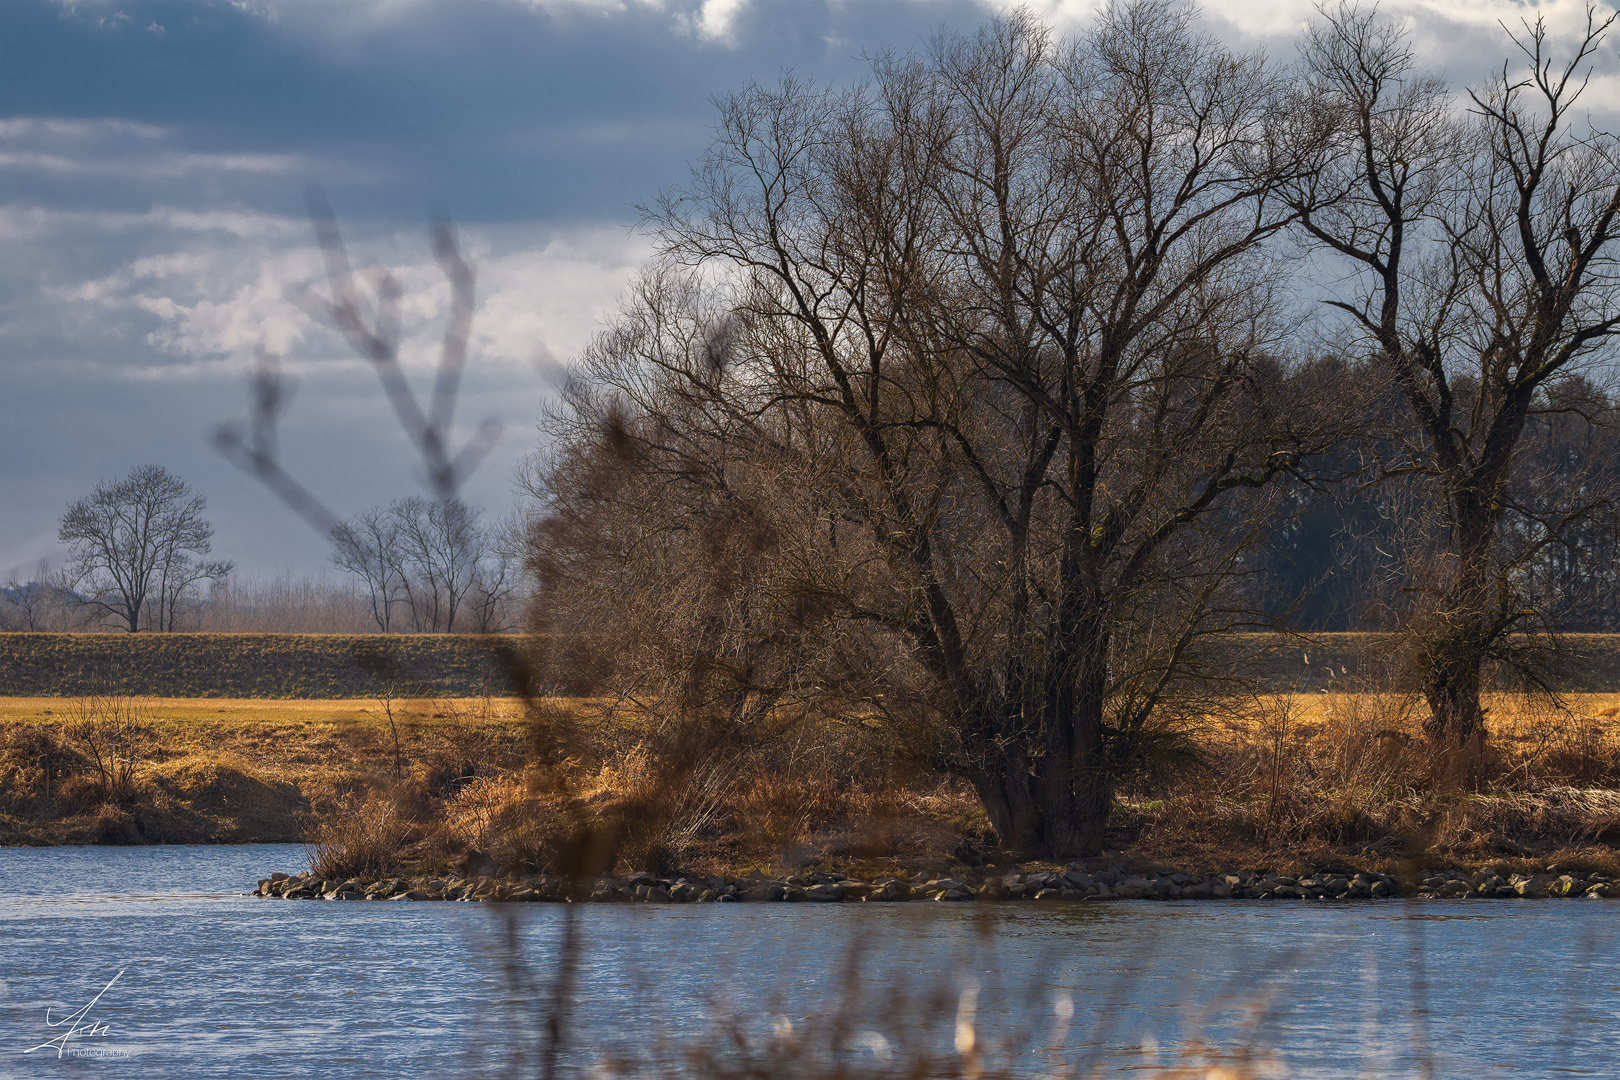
(1073, 884)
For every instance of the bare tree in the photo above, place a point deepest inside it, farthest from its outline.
(496, 595)
(135, 539)
(178, 572)
(44, 601)
(440, 545)
(952, 409)
(1484, 253)
(368, 547)
(425, 556)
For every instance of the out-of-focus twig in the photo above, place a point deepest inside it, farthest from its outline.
(372, 330)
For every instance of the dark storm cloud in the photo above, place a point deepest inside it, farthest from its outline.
(495, 110)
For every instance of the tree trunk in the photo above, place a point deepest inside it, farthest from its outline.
(1036, 817)
(1052, 802)
(1451, 686)
(1455, 654)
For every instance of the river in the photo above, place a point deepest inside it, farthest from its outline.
(196, 979)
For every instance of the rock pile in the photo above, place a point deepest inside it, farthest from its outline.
(1075, 883)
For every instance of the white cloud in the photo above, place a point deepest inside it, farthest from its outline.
(717, 19)
(218, 286)
(1434, 22)
(24, 127)
(154, 167)
(25, 223)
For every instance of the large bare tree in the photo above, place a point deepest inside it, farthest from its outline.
(1482, 242)
(137, 543)
(957, 395)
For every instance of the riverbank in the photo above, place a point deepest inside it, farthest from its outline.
(139, 770)
(1310, 785)
(1081, 881)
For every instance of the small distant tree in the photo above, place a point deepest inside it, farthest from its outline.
(440, 545)
(37, 603)
(137, 547)
(367, 546)
(430, 559)
(496, 596)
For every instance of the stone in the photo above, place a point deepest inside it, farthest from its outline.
(1533, 885)
(1135, 888)
(829, 892)
(893, 889)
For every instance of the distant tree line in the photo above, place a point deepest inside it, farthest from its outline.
(433, 566)
(1349, 556)
(137, 562)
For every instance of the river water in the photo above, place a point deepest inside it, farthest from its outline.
(196, 979)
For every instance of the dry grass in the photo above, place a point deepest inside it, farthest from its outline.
(663, 798)
(225, 770)
(1299, 782)
(1316, 781)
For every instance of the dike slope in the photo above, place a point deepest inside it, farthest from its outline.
(257, 665)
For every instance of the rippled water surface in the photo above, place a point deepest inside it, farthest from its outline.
(207, 981)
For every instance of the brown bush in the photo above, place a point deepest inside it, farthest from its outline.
(38, 768)
(108, 731)
(365, 837)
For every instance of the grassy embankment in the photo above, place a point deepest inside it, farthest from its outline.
(1298, 780)
(298, 666)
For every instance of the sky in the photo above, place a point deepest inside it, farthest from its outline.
(154, 159)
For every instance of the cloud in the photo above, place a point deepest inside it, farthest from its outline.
(214, 287)
(716, 20)
(162, 166)
(26, 127)
(116, 153)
